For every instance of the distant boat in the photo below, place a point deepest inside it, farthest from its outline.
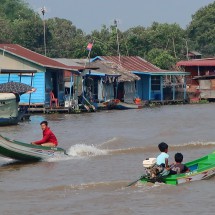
(9, 102)
(26, 152)
(117, 104)
(9, 114)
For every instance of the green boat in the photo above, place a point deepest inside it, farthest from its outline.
(27, 152)
(202, 168)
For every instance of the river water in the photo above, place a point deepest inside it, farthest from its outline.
(106, 150)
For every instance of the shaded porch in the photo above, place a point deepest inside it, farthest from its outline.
(162, 86)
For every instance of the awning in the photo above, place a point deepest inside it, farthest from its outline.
(204, 77)
(16, 71)
(161, 73)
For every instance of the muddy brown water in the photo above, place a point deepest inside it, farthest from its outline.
(106, 150)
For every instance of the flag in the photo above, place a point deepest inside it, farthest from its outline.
(89, 46)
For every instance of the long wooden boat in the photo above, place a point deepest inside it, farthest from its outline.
(26, 152)
(125, 106)
(202, 168)
(9, 114)
(117, 104)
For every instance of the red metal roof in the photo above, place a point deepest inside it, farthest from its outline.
(133, 63)
(197, 62)
(34, 57)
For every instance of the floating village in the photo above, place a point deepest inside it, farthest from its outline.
(100, 83)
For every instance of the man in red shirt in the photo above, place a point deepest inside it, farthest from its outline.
(49, 139)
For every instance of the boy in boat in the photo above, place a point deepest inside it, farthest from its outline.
(49, 139)
(178, 167)
(161, 167)
(162, 159)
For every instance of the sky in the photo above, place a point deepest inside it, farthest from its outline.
(90, 15)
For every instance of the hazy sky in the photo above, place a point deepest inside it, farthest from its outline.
(90, 15)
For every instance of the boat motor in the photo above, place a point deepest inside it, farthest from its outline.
(151, 168)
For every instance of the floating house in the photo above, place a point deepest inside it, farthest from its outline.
(105, 80)
(112, 81)
(153, 83)
(201, 81)
(127, 78)
(19, 64)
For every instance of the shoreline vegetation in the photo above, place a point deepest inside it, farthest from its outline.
(161, 44)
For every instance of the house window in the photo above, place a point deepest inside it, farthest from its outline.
(155, 82)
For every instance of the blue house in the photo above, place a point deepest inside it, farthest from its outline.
(154, 84)
(162, 86)
(19, 64)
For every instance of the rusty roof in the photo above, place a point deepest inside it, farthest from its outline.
(112, 68)
(197, 62)
(132, 63)
(36, 58)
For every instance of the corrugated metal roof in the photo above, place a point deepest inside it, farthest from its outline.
(162, 73)
(112, 68)
(79, 63)
(72, 62)
(133, 63)
(34, 57)
(197, 62)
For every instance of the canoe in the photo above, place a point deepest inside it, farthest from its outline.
(117, 104)
(26, 152)
(125, 106)
(202, 168)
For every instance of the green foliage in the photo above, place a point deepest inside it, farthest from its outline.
(167, 37)
(5, 31)
(161, 59)
(10, 12)
(105, 41)
(29, 33)
(67, 41)
(136, 41)
(202, 30)
(15, 9)
(161, 44)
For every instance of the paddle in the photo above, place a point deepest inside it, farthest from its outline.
(134, 182)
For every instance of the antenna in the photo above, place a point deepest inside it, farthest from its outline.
(117, 38)
(43, 11)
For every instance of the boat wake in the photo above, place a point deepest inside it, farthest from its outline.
(97, 186)
(82, 151)
(154, 149)
(105, 187)
(194, 145)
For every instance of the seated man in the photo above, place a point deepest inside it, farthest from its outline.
(178, 167)
(49, 139)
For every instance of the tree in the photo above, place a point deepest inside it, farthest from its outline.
(161, 59)
(136, 43)
(15, 9)
(201, 30)
(105, 41)
(5, 31)
(169, 37)
(29, 33)
(66, 40)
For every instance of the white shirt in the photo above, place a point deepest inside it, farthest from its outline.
(162, 157)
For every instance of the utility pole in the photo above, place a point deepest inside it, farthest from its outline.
(187, 49)
(43, 10)
(117, 39)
